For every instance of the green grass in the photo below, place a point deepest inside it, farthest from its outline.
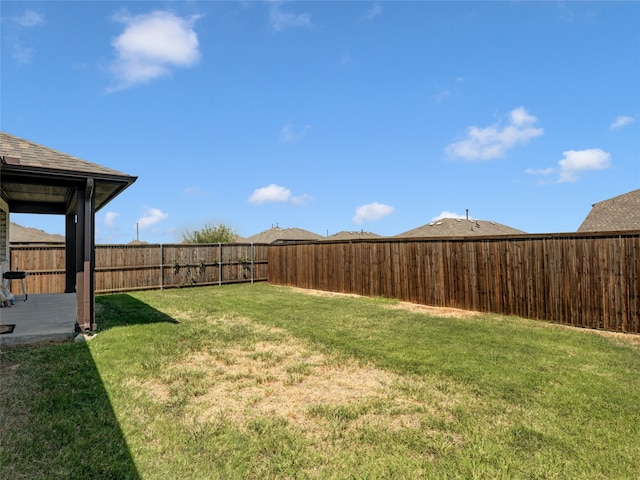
(258, 381)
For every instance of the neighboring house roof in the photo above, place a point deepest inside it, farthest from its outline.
(284, 235)
(34, 175)
(20, 234)
(459, 227)
(346, 235)
(615, 214)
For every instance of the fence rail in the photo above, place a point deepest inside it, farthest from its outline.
(122, 268)
(585, 280)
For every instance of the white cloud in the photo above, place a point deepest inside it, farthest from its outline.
(280, 20)
(540, 171)
(483, 143)
(576, 161)
(301, 199)
(150, 217)
(277, 194)
(446, 214)
(372, 211)
(195, 191)
(289, 134)
(110, 219)
(270, 194)
(442, 95)
(374, 11)
(22, 54)
(30, 18)
(151, 46)
(622, 121)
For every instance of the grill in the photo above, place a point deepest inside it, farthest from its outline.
(17, 275)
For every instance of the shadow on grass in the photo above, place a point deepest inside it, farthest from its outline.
(56, 420)
(121, 310)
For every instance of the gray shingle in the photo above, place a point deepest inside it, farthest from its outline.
(357, 235)
(614, 214)
(20, 234)
(30, 154)
(459, 227)
(284, 235)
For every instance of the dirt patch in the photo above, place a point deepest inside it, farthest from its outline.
(626, 338)
(322, 293)
(412, 307)
(436, 311)
(621, 338)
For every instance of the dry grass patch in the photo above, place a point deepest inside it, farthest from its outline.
(287, 380)
(408, 306)
(436, 311)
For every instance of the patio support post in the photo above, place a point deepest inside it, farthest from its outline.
(80, 193)
(90, 255)
(70, 253)
(85, 258)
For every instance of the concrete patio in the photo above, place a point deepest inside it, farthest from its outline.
(40, 318)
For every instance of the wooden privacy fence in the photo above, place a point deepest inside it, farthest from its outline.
(586, 280)
(138, 267)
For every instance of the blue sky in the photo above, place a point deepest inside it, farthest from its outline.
(330, 116)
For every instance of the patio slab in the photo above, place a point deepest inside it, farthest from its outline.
(40, 318)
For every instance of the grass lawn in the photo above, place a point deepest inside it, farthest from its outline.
(258, 381)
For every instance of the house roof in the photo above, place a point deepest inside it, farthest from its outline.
(459, 227)
(346, 235)
(38, 179)
(614, 214)
(20, 234)
(284, 235)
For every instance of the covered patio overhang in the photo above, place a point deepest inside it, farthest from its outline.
(37, 179)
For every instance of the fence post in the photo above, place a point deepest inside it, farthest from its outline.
(252, 262)
(161, 267)
(219, 264)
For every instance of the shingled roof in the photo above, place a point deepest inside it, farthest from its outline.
(33, 175)
(284, 235)
(358, 235)
(20, 234)
(32, 155)
(459, 227)
(615, 214)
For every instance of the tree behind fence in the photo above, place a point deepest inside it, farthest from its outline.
(138, 267)
(576, 279)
